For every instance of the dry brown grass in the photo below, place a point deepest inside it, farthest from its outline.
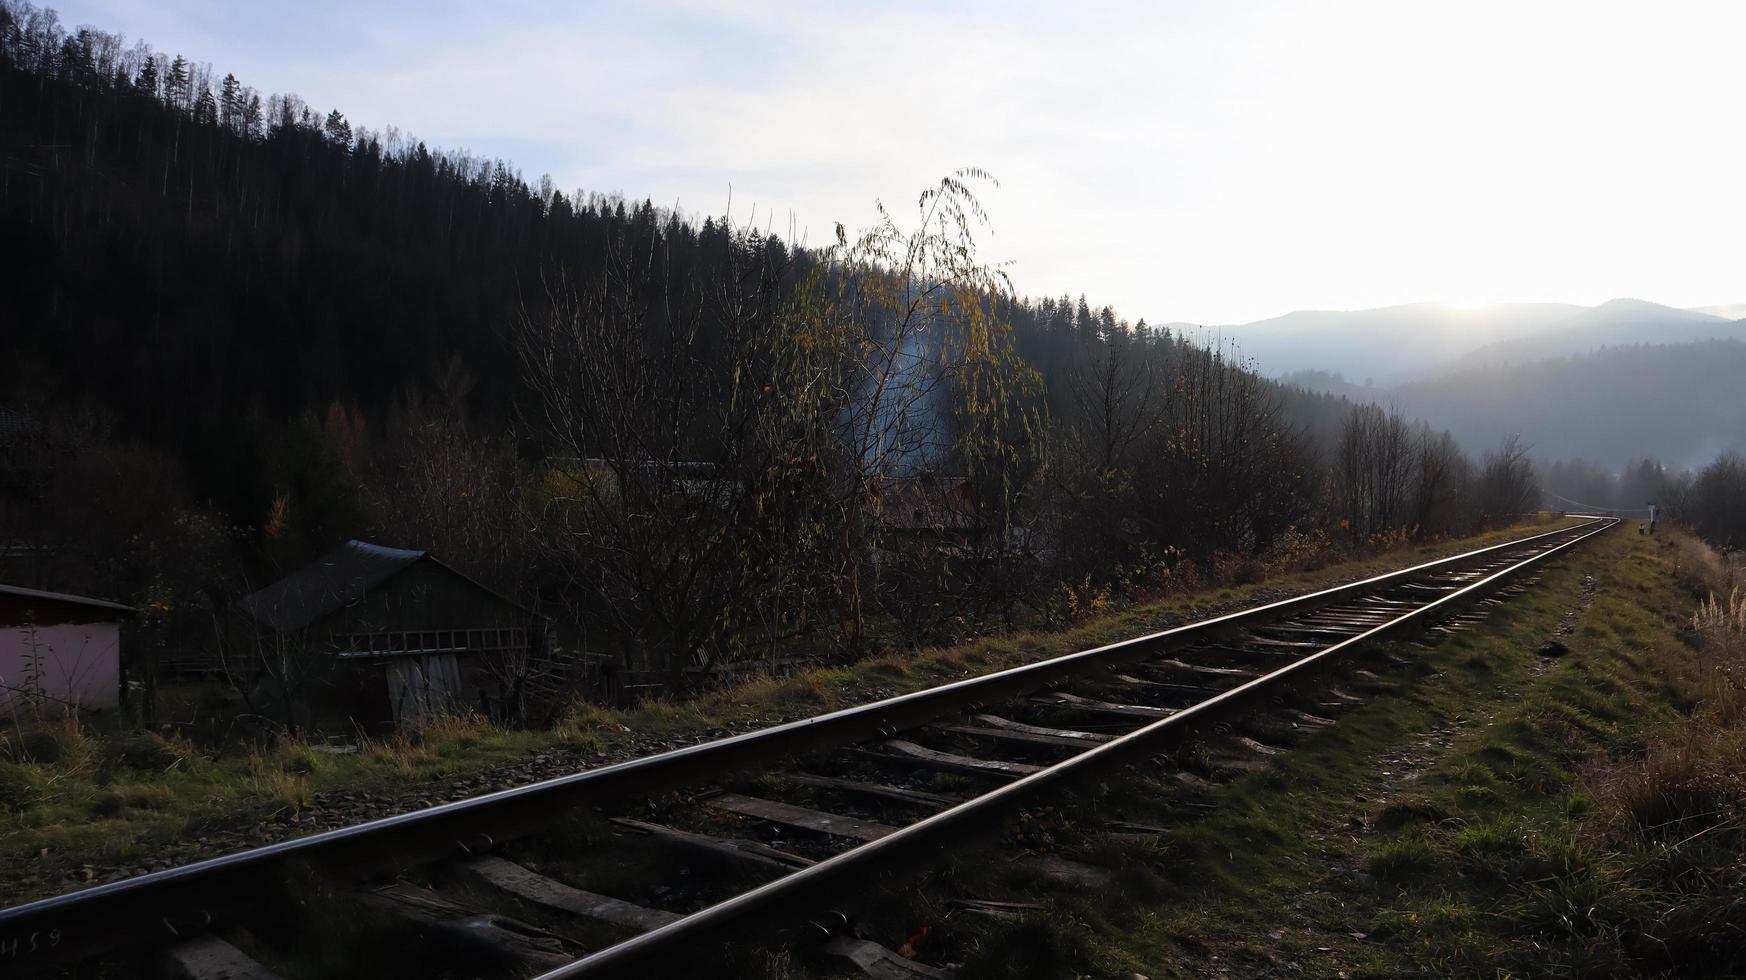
(1694, 781)
(1702, 567)
(290, 790)
(1677, 816)
(1722, 619)
(1678, 789)
(402, 753)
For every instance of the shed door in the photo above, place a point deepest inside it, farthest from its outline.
(420, 687)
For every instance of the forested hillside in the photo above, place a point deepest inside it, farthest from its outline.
(205, 263)
(241, 329)
(1680, 403)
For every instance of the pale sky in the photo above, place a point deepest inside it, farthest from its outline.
(1212, 162)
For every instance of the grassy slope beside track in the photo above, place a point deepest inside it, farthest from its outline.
(80, 806)
(1494, 815)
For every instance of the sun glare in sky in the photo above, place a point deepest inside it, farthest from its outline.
(1205, 162)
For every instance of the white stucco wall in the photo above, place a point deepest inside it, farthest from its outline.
(77, 662)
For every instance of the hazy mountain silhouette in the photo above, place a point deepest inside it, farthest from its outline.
(1615, 322)
(1395, 344)
(1679, 403)
(1727, 311)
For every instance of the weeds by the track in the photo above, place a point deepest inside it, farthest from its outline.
(82, 801)
(1596, 825)
(1585, 818)
(1500, 813)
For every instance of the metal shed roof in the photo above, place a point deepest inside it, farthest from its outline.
(336, 580)
(64, 598)
(332, 582)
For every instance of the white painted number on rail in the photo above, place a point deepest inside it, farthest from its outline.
(12, 947)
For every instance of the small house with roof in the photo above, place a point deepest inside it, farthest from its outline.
(386, 637)
(928, 507)
(60, 649)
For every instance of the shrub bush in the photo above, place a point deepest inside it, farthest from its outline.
(20, 787)
(142, 752)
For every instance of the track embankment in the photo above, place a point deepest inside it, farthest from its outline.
(1542, 795)
(787, 832)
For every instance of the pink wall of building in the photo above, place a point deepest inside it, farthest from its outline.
(77, 662)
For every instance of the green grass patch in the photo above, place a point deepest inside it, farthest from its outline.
(1447, 828)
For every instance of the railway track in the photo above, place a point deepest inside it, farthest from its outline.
(623, 870)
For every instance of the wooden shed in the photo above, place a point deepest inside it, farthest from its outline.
(59, 648)
(928, 507)
(394, 635)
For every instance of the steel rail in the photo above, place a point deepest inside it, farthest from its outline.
(910, 845)
(88, 922)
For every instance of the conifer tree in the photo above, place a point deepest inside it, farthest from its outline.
(176, 88)
(228, 102)
(252, 116)
(147, 79)
(206, 108)
(338, 130)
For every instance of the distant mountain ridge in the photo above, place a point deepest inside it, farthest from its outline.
(1396, 344)
(1681, 403)
(1727, 311)
(1613, 323)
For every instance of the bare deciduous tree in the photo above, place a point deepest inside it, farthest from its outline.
(681, 510)
(1374, 477)
(1507, 487)
(1443, 477)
